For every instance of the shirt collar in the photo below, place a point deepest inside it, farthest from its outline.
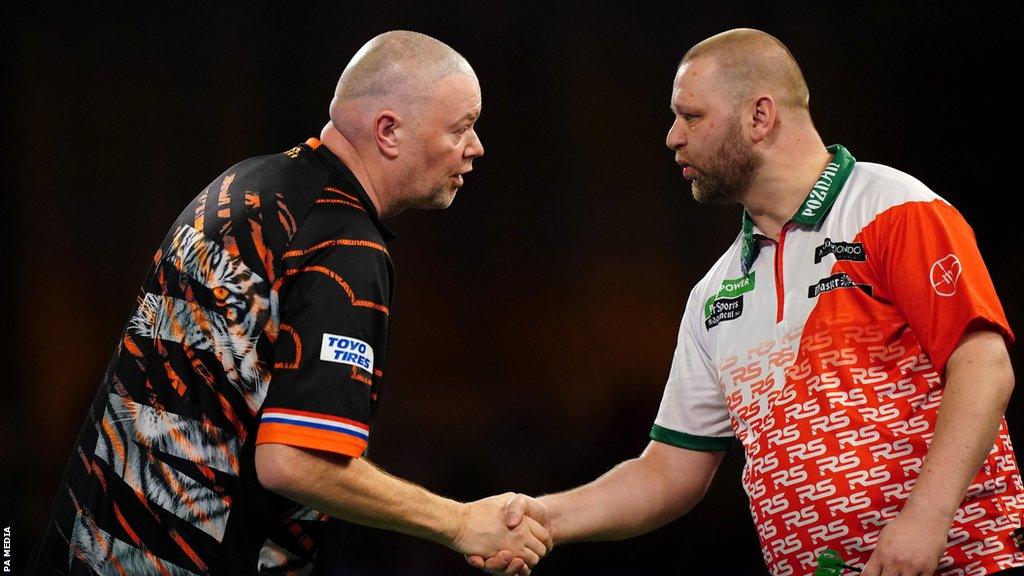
(342, 170)
(814, 207)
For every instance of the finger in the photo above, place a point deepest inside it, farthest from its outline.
(476, 562)
(499, 562)
(516, 566)
(540, 534)
(529, 556)
(524, 571)
(871, 568)
(515, 510)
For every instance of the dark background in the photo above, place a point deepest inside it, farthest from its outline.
(535, 319)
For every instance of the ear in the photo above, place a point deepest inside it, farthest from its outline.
(763, 117)
(385, 128)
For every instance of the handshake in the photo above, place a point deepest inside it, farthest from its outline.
(506, 534)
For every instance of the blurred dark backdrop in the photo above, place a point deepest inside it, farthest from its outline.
(535, 319)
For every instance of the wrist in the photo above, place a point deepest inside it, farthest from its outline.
(556, 522)
(455, 522)
(928, 514)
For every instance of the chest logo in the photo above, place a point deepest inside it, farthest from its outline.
(727, 303)
(945, 274)
(841, 250)
(834, 282)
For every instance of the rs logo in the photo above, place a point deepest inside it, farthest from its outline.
(865, 543)
(861, 436)
(894, 390)
(969, 513)
(846, 504)
(991, 545)
(878, 518)
(843, 357)
(800, 518)
(774, 505)
(894, 450)
(854, 397)
(812, 449)
(873, 477)
(915, 425)
(883, 413)
(831, 531)
(767, 530)
(794, 475)
(872, 375)
(841, 463)
(814, 492)
(886, 353)
(823, 381)
(833, 421)
(898, 491)
(784, 436)
(786, 547)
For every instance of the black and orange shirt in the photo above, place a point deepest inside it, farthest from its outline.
(263, 319)
(823, 354)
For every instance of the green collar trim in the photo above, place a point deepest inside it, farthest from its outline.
(814, 207)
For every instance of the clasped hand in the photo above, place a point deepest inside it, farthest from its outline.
(507, 531)
(517, 512)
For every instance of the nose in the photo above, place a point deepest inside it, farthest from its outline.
(676, 137)
(475, 148)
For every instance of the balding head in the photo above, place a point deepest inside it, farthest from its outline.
(749, 62)
(396, 70)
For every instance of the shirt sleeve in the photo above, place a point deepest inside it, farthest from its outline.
(331, 342)
(932, 271)
(693, 412)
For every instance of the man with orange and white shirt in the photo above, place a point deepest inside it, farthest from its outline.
(850, 340)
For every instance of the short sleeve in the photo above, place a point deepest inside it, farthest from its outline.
(932, 271)
(693, 412)
(330, 344)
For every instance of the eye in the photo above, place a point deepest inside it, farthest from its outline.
(462, 130)
(220, 293)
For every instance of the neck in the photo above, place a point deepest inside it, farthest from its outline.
(347, 153)
(782, 183)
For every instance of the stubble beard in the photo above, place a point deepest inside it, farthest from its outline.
(728, 172)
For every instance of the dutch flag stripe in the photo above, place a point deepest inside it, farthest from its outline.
(352, 429)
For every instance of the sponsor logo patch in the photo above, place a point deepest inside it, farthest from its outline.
(345, 350)
(945, 274)
(833, 282)
(724, 309)
(841, 250)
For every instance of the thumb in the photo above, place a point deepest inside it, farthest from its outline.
(515, 510)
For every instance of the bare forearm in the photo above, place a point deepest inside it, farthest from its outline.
(353, 489)
(979, 380)
(634, 498)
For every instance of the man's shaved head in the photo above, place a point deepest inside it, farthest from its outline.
(395, 70)
(750, 61)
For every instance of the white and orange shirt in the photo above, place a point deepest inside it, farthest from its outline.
(824, 355)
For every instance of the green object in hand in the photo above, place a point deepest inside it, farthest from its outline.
(830, 563)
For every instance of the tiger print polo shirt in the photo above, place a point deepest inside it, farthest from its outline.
(263, 319)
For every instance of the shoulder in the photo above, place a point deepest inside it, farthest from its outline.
(883, 187)
(280, 172)
(875, 190)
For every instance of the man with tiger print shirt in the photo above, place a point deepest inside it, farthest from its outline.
(232, 418)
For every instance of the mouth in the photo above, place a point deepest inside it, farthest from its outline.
(458, 177)
(689, 172)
